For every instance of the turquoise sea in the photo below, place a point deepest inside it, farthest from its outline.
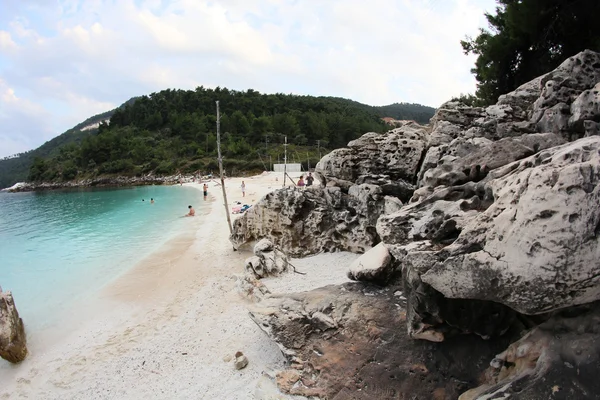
(59, 247)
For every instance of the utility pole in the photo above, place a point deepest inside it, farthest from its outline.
(221, 168)
(284, 160)
(319, 147)
(267, 146)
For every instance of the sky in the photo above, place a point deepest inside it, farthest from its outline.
(62, 61)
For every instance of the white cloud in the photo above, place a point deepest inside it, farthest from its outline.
(6, 41)
(23, 124)
(76, 57)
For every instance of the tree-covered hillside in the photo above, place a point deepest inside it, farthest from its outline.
(175, 131)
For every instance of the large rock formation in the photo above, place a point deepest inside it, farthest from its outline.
(492, 216)
(350, 342)
(302, 222)
(13, 343)
(535, 249)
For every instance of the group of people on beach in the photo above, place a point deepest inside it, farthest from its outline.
(309, 180)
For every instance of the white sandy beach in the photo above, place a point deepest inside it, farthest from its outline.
(165, 329)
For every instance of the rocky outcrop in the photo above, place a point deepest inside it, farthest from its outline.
(302, 222)
(491, 216)
(395, 154)
(470, 160)
(13, 342)
(350, 342)
(535, 248)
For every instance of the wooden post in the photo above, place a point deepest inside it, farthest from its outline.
(284, 160)
(221, 169)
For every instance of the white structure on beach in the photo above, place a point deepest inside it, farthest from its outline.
(289, 168)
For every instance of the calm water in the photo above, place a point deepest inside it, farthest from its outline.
(58, 247)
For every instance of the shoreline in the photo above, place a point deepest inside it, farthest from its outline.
(169, 326)
(100, 182)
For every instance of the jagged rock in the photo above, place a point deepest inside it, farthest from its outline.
(248, 286)
(591, 128)
(314, 220)
(267, 261)
(585, 107)
(440, 217)
(263, 246)
(373, 266)
(535, 248)
(13, 342)
(561, 88)
(396, 153)
(559, 359)
(523, 97)
(503, 224)
(399, 188)
(471, 159)
(367, 354)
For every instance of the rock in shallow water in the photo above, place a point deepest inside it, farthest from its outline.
(13, 343)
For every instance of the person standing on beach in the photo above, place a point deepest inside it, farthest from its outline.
(243, 186)
(301, 182)
(191, 213)
(309, 179)
(205, 190)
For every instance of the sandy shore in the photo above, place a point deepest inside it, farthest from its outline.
(164, 329)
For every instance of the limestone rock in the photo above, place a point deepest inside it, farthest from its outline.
(314, 220)
(585, 107)
(439, 217)
(368, 354)
(373, 266)
(267, 261)
(535, 248)
(471, 159)
(559, 359)
(396, 153)
(241, 361)
(523, 97)
(591, 128)
(263, 246)
(13, 342)
(561, 88)
(389, 187)
(248, 286)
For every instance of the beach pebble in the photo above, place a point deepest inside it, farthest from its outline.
(241, 361)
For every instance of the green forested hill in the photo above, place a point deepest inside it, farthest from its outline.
(174, 131)
(401, 111)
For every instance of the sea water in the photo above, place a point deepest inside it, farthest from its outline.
(59, 247)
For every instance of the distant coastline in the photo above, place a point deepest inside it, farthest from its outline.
(101, 181)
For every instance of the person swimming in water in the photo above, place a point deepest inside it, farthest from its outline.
(191, 213)
(151, 200)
